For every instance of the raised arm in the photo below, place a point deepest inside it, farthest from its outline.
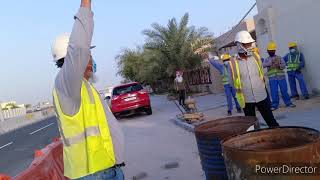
(218, 65)
(86, 4)
(69, 79)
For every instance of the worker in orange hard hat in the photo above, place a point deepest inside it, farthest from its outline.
(277, 78)
(295, 63)
(224, 68)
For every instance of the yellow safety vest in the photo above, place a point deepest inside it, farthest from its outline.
(87, 142)
(295, 64)
(272, 72)
(225, 76)
(237, 77)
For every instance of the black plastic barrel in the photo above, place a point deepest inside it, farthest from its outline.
(209, 136)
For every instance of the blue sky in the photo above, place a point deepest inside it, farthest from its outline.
(28, 28)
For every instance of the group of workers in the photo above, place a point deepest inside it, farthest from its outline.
(93, 143)
(244, 81)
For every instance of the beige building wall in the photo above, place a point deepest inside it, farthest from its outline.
(291, 20)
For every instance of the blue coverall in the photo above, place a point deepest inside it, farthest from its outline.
(296, 73)
(277, 79)
(229, 89)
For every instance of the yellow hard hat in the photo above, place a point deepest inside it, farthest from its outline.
(226, 57)
(293, 44)
(272, 46)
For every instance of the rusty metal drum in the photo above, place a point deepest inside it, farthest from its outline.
(209, 136)
(278, 153)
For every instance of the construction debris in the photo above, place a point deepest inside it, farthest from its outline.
(192, 115)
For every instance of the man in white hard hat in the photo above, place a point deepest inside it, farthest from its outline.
(248, 78)
(93, 143)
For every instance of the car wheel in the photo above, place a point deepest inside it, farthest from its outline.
(149, 111)
(116, 116)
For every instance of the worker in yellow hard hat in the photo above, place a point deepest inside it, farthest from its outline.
(295, 63)
(227, 81)
(277, 78)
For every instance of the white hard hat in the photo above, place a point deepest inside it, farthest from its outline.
(244, 37)
(60, 46)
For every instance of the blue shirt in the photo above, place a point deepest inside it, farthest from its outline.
(221, 68)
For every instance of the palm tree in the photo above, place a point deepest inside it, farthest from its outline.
(180, 45)
(140, 65)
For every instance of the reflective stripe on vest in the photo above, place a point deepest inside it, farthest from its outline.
(87, 142)
(237, 77)
(90, 131)
(259, 64)
(294, 65)
(225, 78)
(272, 72)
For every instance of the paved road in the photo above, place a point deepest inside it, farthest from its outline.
(17, 148)
(151, 143)
(154, 141)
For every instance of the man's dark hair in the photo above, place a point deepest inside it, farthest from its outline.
(60, 62)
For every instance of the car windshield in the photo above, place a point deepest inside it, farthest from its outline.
(127, 89)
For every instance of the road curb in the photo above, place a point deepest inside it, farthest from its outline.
(190, 127)
(7, 128)
(184, 125)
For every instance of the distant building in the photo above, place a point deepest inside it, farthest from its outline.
(11, 110)
(284, 21)
(1, 115)
(11, 105)
(42, 106)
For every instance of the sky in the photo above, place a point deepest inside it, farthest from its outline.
(28, 28)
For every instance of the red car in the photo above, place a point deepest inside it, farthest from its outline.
(128, 98)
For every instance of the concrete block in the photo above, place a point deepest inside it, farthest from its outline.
(171, 165)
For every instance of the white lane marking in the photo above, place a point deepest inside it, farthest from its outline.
(41, 128)
(6, 145)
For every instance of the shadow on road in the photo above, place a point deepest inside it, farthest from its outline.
(132, 116)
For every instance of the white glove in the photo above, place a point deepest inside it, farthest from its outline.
(216, 58)
(210, 56)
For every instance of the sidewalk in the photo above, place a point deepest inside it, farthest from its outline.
(306, 113)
